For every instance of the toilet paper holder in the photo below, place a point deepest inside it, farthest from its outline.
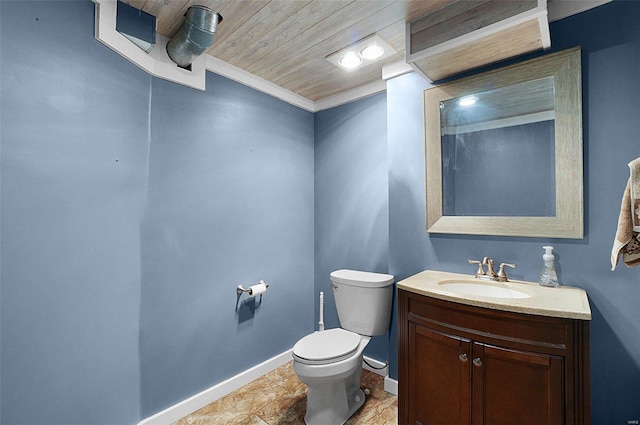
(240, 289)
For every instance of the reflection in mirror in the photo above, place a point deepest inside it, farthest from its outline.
(497, 144)
(503, 151)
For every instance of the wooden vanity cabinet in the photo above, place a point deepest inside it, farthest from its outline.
(462, 364)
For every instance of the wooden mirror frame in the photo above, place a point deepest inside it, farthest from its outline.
(568, 222)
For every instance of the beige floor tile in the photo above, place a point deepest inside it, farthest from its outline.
(279, 398)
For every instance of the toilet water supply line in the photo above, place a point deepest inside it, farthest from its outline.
(321, 322)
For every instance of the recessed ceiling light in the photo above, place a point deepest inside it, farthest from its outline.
(372, 51)
(362, 53)
(350, 60)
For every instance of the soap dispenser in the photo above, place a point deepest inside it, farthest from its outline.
(549, 277)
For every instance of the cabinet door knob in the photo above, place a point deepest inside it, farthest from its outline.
(463, 357)
(477, 362)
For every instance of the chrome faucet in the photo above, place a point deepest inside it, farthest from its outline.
(502, 275)
(490, 273)
(480, 271)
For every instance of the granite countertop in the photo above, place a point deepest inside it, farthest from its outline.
(565, 301)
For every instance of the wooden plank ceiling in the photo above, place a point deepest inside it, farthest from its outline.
(286, 41)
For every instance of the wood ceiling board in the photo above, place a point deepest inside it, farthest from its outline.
(360, 25)
(462, 19)
(339, 26)
(314, 73)
(234, 15)
(138, 4)
(258, 47)
(524, 37)
(394, 34)
(337, 83)
(282, 71)
(257, 33)
(286, 41)
(153, 7)
(171, 17)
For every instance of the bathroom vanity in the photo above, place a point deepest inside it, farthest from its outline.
(475, 352)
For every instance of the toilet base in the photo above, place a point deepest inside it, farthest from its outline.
(333, 403)
(334, 393)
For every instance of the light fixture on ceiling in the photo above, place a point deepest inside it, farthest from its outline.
(372, 51)
(362, 53)
(350, 61)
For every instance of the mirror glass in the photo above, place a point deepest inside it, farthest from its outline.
(504, 151)
(495, 144)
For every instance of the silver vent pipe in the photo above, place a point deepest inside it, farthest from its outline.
(195, 36)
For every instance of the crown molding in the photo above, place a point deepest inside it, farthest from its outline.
(241, 76)
(350, 95)
(248, 79)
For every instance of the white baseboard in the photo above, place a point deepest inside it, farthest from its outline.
(390, 385)
(190, 405)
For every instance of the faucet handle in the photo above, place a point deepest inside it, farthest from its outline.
(480, 271)
(502, 275)
(489, 263)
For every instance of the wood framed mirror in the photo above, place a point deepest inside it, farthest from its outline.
(504, 151)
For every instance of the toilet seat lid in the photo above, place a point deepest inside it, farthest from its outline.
(327, 346)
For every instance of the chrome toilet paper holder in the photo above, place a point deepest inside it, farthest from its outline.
(240, 289)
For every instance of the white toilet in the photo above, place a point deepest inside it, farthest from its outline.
(330, 362)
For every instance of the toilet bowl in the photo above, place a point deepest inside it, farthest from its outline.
(329, 362)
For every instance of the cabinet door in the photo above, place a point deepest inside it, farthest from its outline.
(516, 387)
(440, 380)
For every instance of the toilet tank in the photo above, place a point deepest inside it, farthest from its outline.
(363, 300)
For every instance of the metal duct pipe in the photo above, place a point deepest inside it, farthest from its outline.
(195, 36)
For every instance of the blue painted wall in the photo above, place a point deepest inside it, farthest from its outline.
(131, 209)
(351, 214)
(230, 201)
(117, 275)
(610, 40)
(75, 144)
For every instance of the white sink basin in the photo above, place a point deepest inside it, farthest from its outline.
(479, 288)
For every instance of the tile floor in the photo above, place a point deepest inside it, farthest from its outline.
(279, 398)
